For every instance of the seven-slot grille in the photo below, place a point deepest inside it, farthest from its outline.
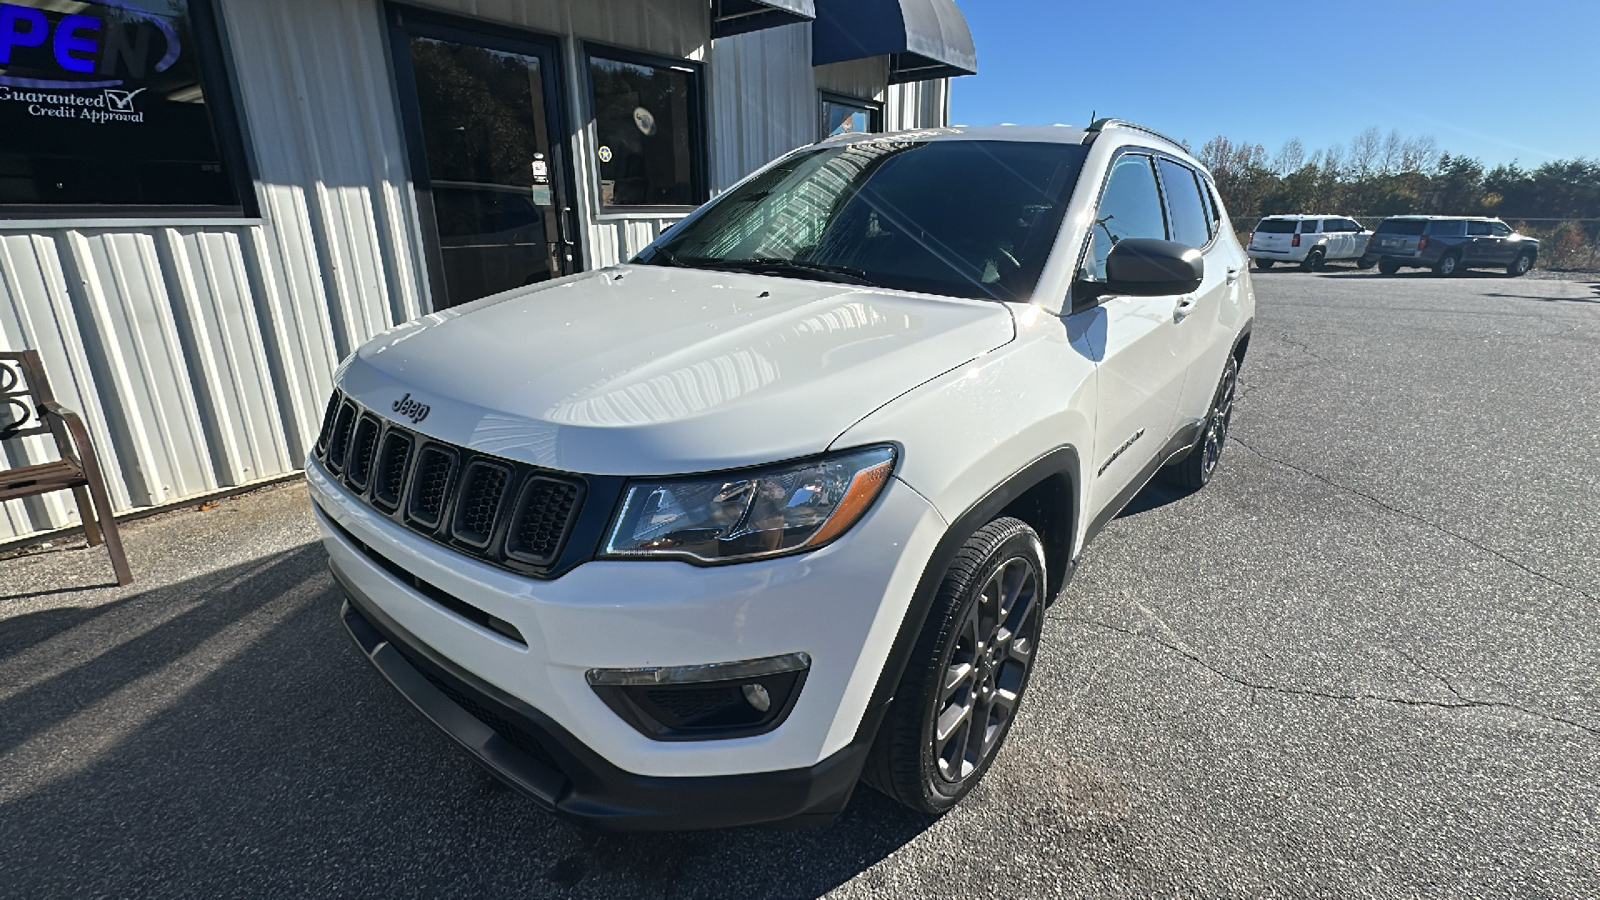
(507, 513)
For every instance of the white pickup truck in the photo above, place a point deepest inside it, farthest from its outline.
(1308, 241)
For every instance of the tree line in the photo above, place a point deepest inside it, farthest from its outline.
(1383, 175)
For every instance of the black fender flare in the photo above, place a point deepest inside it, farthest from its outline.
(1062, 461)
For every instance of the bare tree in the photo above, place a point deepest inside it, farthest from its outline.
(1364, 151)
(1333, 160)
(1290, 158)
(1392, 152)
(1420, 154)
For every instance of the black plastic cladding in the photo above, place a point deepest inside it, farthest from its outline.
(529, 520)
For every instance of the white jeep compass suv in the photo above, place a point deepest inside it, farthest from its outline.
(706, 538)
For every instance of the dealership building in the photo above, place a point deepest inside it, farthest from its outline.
(206, 204)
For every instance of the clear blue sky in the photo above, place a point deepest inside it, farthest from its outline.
(1495, 80)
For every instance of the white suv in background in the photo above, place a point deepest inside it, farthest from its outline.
(1308, 241)
(706, 538)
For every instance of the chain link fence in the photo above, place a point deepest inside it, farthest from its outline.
(1565, 245)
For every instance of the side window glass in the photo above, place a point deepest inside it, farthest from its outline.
(1499, 229)
(1308, 226)
(1477, 228)
(1189, 225)
(1129, 208)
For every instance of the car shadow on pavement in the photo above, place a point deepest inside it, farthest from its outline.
(1155, 495)
(221, 736)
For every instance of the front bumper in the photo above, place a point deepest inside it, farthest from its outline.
(531, 753)
(842, 605)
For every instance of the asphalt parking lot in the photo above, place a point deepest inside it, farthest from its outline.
(1364, 662)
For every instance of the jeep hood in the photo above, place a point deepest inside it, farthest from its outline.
(644, 370)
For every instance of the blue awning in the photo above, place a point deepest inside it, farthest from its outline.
(924, 39)
(729, 17)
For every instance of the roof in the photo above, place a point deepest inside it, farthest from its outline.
(1298, 216)
(1048, 134)
(1466, 218)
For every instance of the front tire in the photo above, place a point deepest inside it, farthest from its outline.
(967, 674)
(1521, 265)
(1194, 471)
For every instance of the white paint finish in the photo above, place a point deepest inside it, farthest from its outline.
(223, 341)
(646, 370)
(919, 104)
(842, 605)
(1027, 399)
(761, 108)
(128, 324)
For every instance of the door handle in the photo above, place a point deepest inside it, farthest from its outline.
(1233, 275)
(1185, 306)
(565, 226)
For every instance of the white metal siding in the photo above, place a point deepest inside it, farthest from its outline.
(201, 353)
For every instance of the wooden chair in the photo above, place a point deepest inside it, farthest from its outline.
(22, 379)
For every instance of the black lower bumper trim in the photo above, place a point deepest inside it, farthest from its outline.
(568, 777)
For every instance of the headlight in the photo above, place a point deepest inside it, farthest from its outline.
(748, 515)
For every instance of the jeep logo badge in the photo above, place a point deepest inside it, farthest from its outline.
(411, 409)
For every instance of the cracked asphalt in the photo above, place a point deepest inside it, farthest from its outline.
(1363, 662)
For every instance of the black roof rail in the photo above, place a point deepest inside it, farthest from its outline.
(1102, 124)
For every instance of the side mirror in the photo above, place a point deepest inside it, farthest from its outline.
(1145, 267)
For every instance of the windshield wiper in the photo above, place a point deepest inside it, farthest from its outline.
(822, 271)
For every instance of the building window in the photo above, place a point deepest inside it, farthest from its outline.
(649, 131)
(847, 115)
(115, 108)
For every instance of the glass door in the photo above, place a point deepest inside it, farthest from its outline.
(487, 149)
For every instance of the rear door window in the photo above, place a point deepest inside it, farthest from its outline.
(1402, 226)
(1189, 226)
(1477, 228)
(1309, 226)
(1447, 228)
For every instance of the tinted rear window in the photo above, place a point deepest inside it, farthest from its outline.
(1276, 226)
(1448, 228)
(1402, 226)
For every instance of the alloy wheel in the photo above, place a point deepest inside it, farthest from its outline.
(987, 669)
(1221, 417)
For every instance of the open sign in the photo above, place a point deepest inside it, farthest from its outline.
(46, 49)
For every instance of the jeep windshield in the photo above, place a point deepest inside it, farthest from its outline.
(960, 218)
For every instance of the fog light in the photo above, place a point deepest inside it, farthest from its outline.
(719, 700)
(757, 696)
